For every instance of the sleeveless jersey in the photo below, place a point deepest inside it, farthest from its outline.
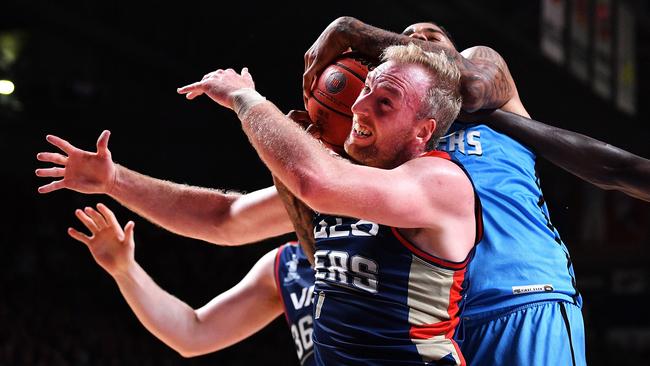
(379, 299)
(521, 258)
(295, 281)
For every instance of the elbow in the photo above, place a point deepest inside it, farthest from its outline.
(223, 233)
(188, 353)
(315, 190)
(344, 21)
(190, 345)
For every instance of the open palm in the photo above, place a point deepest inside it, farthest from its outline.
(82, 171)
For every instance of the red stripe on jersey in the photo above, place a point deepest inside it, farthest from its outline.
(437, 154)
(455, 298)
(447, 327)
(420, 253)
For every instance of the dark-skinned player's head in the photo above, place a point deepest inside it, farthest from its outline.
(430, 31)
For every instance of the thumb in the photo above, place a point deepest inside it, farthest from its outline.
(102, 143)
(247, 75)
(128, 230)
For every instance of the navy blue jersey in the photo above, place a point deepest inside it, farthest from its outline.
(295, 281)
(381, 300)
(522, 258)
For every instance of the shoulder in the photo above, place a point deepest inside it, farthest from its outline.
(442, 179)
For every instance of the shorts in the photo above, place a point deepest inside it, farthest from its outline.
(540, 333)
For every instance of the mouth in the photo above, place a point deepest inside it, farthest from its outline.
(360, 131)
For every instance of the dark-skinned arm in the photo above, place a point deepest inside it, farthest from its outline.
(597, 162)
(301, 217)
(484, 85)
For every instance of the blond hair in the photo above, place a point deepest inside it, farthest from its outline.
(442, 100)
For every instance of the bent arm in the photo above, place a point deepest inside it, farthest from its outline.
(597, 162)
(491, 81)
(400, 197)
(201, 213)
(229, 318)
(301, 218)
(484, 84)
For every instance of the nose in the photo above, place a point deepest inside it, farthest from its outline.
(359, 106)
(418, 36)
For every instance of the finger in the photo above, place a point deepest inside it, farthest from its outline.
(60, 143)
(109, 216)
(53, 186)
(128, 230)
(300, 117)
(193, 95)
(49, 157)
(96, 216)
(308, 80)
(86, 220)
(111, 220)
(50, 172)
(79, 236)
(306, 88)
(190, 88)
(314, 129)
(244, 71)
(102, 143)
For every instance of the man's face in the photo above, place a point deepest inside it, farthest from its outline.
(385, 120)
(428, 32)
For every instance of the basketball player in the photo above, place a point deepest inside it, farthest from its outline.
(521, 306)
(597, 162)
(394, 234)
(281, 280)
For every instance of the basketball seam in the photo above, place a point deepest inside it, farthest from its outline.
(351, 72)
(330, 108)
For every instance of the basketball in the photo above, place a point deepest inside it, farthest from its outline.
(333, 95)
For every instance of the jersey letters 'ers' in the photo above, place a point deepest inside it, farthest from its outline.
(295, 280)
(522, 258)
(380, 300)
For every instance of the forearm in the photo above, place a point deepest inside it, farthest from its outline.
(485, 81)
(169, 319)
(227, 319)
(595, 161)
(292, 155)
(301, 217)
(371, 41)
(201, 213)
(184, 210)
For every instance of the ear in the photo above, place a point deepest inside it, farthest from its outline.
(426, 129)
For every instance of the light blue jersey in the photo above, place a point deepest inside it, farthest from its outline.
(521, 306)
(521, 258)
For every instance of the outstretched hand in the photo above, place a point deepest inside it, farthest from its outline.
(82, 171)
(219, 86)
(111, 246)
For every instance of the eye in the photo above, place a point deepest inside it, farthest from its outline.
(366, 88)
(385, 101)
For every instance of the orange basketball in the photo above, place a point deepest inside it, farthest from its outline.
(332, 96)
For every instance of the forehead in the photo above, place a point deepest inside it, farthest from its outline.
(423, 27)
(405, 79)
